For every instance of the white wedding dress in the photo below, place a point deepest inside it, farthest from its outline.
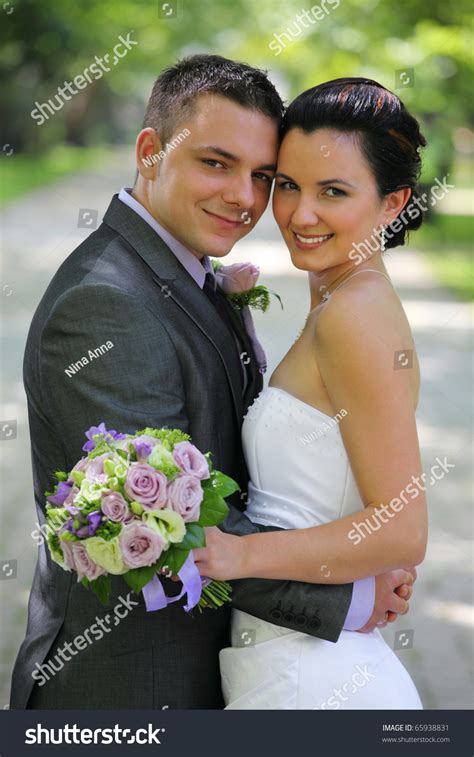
(301, 477)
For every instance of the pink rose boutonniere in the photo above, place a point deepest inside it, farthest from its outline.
(239, 282)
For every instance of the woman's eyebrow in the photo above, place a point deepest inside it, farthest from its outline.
(325, 182)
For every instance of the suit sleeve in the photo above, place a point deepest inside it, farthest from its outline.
(92, 369)
(316, 609)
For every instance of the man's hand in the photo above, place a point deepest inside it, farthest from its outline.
(392, 592)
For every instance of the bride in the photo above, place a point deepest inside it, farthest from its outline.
(331, 445)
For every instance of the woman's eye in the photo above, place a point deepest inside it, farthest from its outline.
(337, 192)
(287, 185)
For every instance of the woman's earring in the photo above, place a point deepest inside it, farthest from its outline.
(382, 239)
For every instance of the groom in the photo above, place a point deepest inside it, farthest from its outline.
(142, 285)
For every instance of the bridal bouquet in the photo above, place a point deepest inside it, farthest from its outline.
(136, 505)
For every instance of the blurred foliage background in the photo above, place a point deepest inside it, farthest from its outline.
(421, 50)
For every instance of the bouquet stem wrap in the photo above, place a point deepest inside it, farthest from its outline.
(155, 595)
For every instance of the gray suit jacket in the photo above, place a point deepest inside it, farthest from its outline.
(170, 364)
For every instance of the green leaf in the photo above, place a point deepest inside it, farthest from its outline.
(221, 484)
(195, 537)
(174, 558)
(137, 578)
(100, 586)
(214, 509)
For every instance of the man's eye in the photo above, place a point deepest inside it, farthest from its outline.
(264, 176)
(287, 186)
(213, 163)
(338, 192)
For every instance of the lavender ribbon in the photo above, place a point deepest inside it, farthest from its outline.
(156, 598)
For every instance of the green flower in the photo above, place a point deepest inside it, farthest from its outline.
(108, 530)
(168, 436)
(105, 553)
(162, 459)
(116, 469)
(91, 492)
(137, 508)
(55, 549)
(169, 525)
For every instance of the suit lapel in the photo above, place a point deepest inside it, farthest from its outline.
(173, 279)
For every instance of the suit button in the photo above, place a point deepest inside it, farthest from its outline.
(289, 616)
(314, 623)
(276, 613)
(301, 620)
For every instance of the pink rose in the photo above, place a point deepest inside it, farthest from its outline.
(147, 486)
(185, 497)
(238, 277)
(83, 563)
(115, 507)
(190, 460)
(140, 545)
(95, 470)
(68, 554)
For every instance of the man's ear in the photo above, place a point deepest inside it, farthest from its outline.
(147, 149)
(394, 204)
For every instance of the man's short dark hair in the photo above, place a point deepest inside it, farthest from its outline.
(174, 93)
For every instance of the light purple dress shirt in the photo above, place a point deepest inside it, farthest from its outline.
(363, 594)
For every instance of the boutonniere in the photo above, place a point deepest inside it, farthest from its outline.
(239, 282)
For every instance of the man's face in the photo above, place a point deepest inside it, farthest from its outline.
(205, 190)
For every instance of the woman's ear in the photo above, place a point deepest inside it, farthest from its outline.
(147, 150)
(394, 204)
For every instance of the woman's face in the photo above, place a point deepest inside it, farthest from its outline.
(325, 198)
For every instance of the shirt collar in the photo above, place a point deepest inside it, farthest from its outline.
(196, 268)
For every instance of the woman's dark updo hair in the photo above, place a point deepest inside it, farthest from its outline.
(390, 137)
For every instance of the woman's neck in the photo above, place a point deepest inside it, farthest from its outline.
(324, 281)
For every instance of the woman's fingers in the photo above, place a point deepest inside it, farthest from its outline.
(399, 605)
(404, 591)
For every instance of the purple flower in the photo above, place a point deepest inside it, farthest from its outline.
(87, 526)
(140, 545)
(63, 491)
(83, 563)
(147, 486)
(143, 446)
(115, 507)
(190, 460)
(185, 496)
(109, 435)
